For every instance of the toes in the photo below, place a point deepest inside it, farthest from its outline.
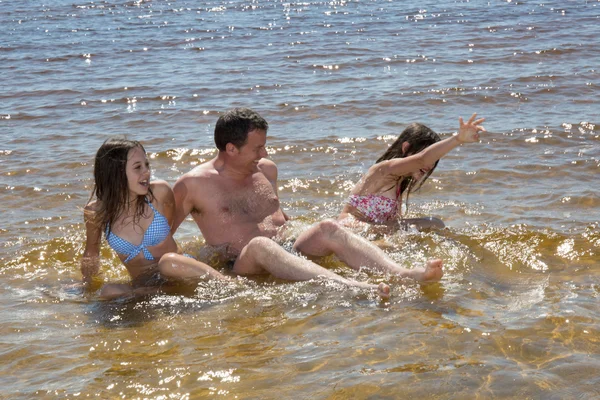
(384, 291)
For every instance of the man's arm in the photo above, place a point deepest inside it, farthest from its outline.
(269, 170)
(183, 201)
(164, 196)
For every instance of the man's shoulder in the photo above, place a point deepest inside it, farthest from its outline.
(196, 186)
(160, 185)
(266, 163)
(268, 168)
(161, 189)
(198, 175)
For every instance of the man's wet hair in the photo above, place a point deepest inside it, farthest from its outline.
(233, 127)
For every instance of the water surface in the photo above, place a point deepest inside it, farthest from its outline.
(515, 315)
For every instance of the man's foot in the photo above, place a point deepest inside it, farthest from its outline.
(384, 291)
(431, 273)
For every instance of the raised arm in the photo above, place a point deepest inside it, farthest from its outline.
(468, 133)
(90, 262)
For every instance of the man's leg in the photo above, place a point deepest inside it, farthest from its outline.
(263, 255)
(328, 237)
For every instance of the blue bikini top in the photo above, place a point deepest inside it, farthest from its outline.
(157, 232)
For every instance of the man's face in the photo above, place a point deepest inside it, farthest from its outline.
(254, 149)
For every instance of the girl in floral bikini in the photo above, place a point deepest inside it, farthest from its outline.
(404, 167)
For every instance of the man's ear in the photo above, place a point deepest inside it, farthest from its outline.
(405, 147)
(230, 149)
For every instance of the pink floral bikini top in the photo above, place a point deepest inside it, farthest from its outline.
(376, 209)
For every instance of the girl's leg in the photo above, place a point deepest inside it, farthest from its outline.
(178, 266)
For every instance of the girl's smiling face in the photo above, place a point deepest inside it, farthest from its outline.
(138, 173)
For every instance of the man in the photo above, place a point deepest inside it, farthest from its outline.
(233, 199)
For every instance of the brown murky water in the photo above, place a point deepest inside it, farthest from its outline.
(516, 313)
(514, 316)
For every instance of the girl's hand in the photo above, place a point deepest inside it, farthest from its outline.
(469, 132)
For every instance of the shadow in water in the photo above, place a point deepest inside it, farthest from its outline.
(138, 310)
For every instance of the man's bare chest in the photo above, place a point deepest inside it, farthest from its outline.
(252, 201)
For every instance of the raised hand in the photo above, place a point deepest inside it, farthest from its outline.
(469, 132)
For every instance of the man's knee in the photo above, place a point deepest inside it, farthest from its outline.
(329, 227)
(259, 247)
(321, 239)
(256, 256)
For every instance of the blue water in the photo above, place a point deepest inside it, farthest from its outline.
(522, 64)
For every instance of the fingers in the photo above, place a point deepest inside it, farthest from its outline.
(472, 121)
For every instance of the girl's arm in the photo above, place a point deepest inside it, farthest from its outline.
(90, 262)
(467, 133)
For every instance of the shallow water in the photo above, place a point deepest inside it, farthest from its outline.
(515, 315)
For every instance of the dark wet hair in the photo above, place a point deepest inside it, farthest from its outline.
(110, 181)
(233, 127)
(418, 137)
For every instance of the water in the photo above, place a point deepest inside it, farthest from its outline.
(515, 316)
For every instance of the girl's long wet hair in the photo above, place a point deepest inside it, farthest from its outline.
(110, 182)
(419, 137)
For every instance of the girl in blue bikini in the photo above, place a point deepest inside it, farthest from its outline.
(403, 168)
(135, 216)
